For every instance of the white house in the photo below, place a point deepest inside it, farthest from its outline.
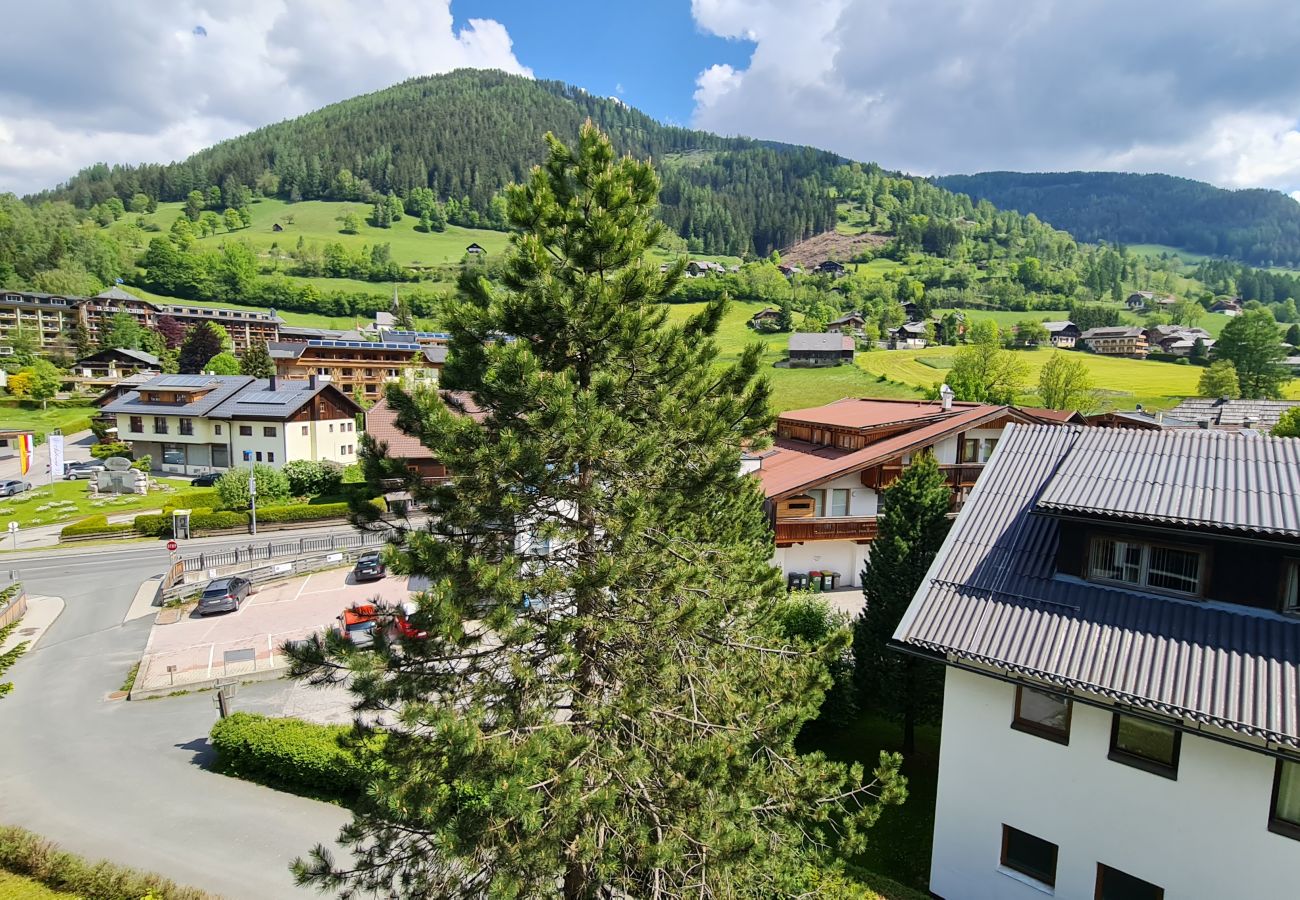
(190, 424)
(824, 474)
(1121, 712)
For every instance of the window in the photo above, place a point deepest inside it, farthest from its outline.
(1112, 884)
(245, 430)
(343, 449)
(331, 427)
(1144, 744)
(187, 426)
(159, 424)
(173, 454)
(270, 456)
(819, 502)
(989, 445)
(1158, 566)
(155, 397)
(840, 502)
(304, 431)
(216, 428)
(258, 455)
(969, 451)
(351, 449)
(1284, 812)
(268, 431)
(137, 424)
(1029, 855)
(1291, 588)
(1043, 714)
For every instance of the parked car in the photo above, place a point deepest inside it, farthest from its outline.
(370, 566)
(357, 624)
(224, 595)
(207, 479)
(83, 469)
(14, 486)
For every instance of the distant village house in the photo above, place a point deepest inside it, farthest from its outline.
(830, 349)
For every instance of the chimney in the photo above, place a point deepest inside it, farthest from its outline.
(945, 395)
(1252, 421)
(1204, 424)
(274, 382)
(311, 381)
(1160, 416)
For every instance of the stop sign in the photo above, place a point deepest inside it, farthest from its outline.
(171, 545)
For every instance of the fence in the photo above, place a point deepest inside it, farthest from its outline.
(273, 549)
(16, 608)
(188, 582)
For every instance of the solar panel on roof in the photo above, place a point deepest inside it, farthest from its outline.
(269, 398)
(185, 381)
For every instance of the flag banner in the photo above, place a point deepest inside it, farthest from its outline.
(55, 443)
(26, 447)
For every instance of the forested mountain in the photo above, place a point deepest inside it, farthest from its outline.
(467, 134)
(1256, 226)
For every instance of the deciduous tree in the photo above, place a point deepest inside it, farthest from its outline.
(1251, 343)
(1219, 380)
(913, 521)
(1064, 382)
(121, 332)
(202, 342)
(224, 363)
(1289, 424)
(605, 703)
(983, 372)
(46, 379)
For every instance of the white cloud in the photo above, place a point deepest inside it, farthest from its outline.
(1203, 88)
(138, 82)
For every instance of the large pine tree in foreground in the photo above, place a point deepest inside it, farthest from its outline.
(604, 704)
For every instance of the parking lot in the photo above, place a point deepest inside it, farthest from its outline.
(196, 649)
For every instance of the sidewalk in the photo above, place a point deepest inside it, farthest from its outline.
(41, 613)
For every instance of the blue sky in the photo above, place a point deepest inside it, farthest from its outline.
(654, 50)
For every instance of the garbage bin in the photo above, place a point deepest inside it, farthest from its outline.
(830, 580)
(797, 581)
(815, 580)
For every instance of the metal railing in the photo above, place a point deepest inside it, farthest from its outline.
(273, 549)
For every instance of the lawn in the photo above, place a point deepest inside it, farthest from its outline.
(899, 845)
(791, 388)
(43, 421)
(1123, 382)
(1007, 318)
(16, 887)
(68, 501)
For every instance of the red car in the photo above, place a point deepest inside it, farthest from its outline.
(357, 624)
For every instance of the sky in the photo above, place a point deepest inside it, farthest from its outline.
(1208, 89)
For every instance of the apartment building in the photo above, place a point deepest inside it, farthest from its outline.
(45, 316)
(1118, 341)
(1118, 612)
(191, 424)
(360, 367)
(246, 327)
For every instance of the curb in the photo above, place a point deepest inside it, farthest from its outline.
(39, 602)
(206, 684)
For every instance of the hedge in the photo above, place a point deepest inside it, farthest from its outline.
(95, 525)
(31, 856)
(318, 760)
(154, 524)
(302, 512)
(221, 518)
(194, 497)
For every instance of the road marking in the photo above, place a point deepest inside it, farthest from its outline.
(212, 649)
(302, 587)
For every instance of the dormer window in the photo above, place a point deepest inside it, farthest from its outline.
(1146, 564)
(1291, 588)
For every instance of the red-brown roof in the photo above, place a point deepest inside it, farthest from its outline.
(855, 412)
(381, 424)
(1053, 416)
(792, 466)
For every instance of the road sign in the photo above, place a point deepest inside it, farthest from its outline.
(171, 545)
(13, 526)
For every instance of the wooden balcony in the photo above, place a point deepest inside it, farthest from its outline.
(962, 475)
(826, 528)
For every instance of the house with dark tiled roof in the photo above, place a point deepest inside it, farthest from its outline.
(1118, 615)
(191, 424)
(1231, 415)
(909, 336)
(828, 465)
(1062, 334)
(1119, 340)
(815, 349)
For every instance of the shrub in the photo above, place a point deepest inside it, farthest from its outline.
(194, 497)
(290, 753)
(113, 448)
(311, 478)
(206, 519)
(144, 463)
(95, 525)
(302, 512)
(154, 524)
(232, 487)
(31, 856)
(809, 619)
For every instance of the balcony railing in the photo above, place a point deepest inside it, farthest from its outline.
(962, 475)
(826, 528)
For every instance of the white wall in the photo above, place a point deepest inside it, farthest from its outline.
(844, 557)
(1204, 835)
(862, 500)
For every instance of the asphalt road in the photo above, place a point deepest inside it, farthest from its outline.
(124, 780)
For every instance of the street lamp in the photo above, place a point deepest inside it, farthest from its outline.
(252, 496)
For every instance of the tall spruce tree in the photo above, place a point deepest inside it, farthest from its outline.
(605, 704)
(913, 522)
(257, 361)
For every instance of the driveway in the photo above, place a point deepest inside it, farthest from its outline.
(198, 648)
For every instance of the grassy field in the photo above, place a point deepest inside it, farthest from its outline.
(16, 887)
(68, 501)
(899, 845)
(791, 388)
(1007, 318)
(43, 421)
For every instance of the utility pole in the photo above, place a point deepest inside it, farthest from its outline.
(252, 496)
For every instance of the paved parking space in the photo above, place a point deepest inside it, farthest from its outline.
(197, 649)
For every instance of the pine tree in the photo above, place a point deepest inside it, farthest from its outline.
(257, 361)
(79, 339)
(913, 521)
(202, 342)
(605, 704)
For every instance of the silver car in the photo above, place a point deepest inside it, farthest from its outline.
(14, 486)
(75, 470)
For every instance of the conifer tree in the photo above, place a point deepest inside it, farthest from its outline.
(257, 361)
(605, 702)
(913, 522)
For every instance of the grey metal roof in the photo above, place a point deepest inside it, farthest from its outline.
(1059, 326)
(991, 595)
(223, 387)
(1222, 411)
(1112, 332)
(260, 400)
(834, 341)
(139, 356)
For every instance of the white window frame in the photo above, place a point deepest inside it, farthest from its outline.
(1143, 564)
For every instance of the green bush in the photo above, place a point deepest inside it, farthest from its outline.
(113, 448)
(311, 478)
(31, 856)
(154, 524)
(95, 525)
(222, 518)
(320, 760)
(232, 487)
(302, 512)
(193, 498)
